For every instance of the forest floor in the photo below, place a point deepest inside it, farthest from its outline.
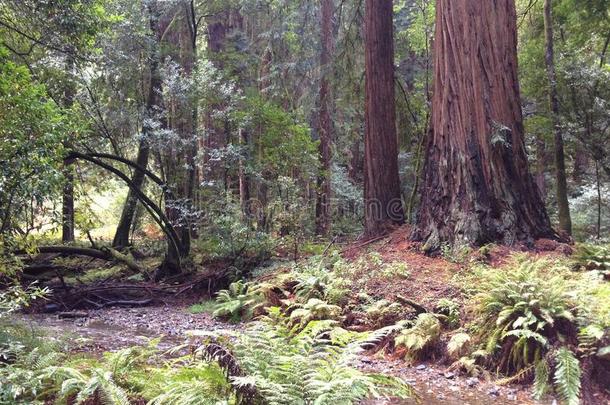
(429, 280)
(111, 329)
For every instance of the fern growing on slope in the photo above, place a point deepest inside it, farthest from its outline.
(522, 309)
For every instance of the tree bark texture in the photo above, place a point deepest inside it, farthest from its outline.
(477, 185)
(565, 222)
(382, 198)
(325, 124)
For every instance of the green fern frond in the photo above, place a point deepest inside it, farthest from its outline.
(541, 379)
(567, 376)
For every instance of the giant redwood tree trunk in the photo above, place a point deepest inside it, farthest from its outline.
(383, 205)
(325, 125)
(477, 185)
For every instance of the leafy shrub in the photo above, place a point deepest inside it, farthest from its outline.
(524, 309)
(383, 312)
(592, 257)
(458, 345)
(420, 339)
(451, 310)
(203, 307)
(241, 301)
(313, 310)
(317, 278)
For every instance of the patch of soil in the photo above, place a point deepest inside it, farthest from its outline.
(436, 386)
(429, 277)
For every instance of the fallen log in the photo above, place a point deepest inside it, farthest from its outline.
(419, 309)
(70, 250)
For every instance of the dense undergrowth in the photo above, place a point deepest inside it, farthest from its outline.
(543, 321)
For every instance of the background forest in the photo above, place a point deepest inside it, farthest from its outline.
(307, 159)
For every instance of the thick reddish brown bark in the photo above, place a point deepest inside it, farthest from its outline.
(477, 185)
(325, 125)
(383, 205)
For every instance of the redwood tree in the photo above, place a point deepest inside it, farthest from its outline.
(323, 212)
(477, 185)
(383, 205)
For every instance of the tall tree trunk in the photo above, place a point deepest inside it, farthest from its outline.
(477, 186)
(153, 103)
(382, 198)
(565, 222)
(323, 206)
(67, 209)
(178, 41)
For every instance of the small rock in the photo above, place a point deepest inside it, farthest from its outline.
(511, 397)
(471, 382)
(449, 375)
(366, 361)
(421, 367)
(494, 391)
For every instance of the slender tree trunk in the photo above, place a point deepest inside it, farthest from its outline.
(178, 41)
(477, 187)
(541, 164)
(244, 179)
(323, 206)
(599, 200)
(153, 102)
(67, 209)
(382, 198)
(565, 222)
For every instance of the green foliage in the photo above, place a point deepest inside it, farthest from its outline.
(541, 379)
(421, 338)
(193, 383)
(383, 312)
(459, 344)
(593, 257)
(203, 307)
(312, 366)
(451, 310)
(240, 301)
(31, 132)
(227, 236)
(567, 376)
(522, 305)
(318, 278)
(108, 381)
(313, 310)
(455, 254)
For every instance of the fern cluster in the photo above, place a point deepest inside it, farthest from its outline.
(524, 308)
(311, 366)
(593, 257)
(241, 301)
(421, 337)
(530, 317)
